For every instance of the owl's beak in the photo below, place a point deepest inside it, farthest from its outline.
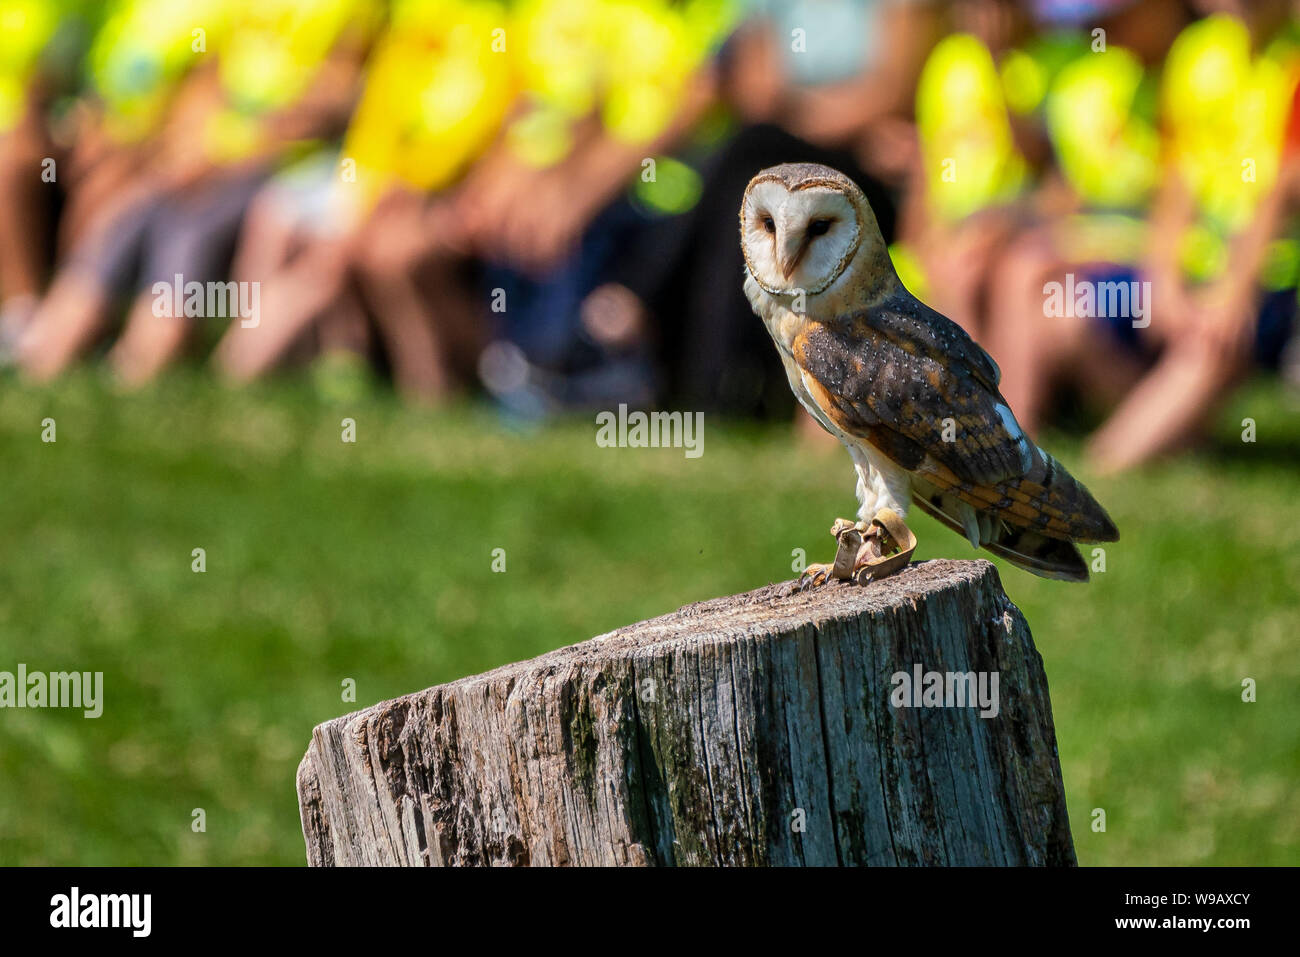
(792, 248)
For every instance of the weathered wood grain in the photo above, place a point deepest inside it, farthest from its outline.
(754, 729)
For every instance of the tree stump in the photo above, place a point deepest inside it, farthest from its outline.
(764, 728)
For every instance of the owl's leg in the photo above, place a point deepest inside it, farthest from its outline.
(885, 543)
(881, 484)
(870, 549)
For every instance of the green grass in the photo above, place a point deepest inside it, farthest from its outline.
(372, 561)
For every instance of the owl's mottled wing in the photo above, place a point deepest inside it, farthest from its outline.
(913, 383)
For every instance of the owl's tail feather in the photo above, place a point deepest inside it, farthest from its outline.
(1047, 499)
(1040, 554)
(1072, 510)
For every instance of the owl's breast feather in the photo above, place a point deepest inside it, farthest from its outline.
(782, 323)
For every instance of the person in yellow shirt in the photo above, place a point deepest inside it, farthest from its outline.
(963, 197)
(1089, 210)
(437, 89)
(1223, 251)
(205, 131)
(486, 136)
(1174, 218)
(42, 44)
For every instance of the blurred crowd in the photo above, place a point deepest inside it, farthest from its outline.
(537, 199)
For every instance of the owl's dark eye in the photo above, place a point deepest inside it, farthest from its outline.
(819, 227)
(768, 224)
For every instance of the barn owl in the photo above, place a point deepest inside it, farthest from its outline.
(910, 395)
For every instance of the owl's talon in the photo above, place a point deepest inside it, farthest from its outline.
(815, 575)
(849, 540)
(868, 551)
(888, 534)
(842, 525)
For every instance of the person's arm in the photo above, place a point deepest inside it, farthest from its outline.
(605, 164)
(1227, 311)
(1207, 352)
(561, 202)
(325, 105)
(1172, 212)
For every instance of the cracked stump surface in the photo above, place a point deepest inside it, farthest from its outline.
(753, 729)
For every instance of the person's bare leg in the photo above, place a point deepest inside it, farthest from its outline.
(1168, 408)
(1027, 345)
(149, 343)
(71, 318)
(290, 302)
(116, 181)
(391, 248)
(24, 230)
(343, 327)
(267, 241)
(414, 350)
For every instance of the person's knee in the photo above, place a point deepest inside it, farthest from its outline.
(1023, 265)
(386, 259)
(1210, 362)
(265, 217)
(12, 166)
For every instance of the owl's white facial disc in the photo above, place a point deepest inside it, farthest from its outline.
(797, 240)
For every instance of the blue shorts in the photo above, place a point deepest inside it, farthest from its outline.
(1273, 326)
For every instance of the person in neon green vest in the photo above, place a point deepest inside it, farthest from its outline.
(573, 146)
(196, 135)
(139, 89)
(436, 93)
(964, 192)
(1195, 227)
(1090, 208)
(42, 44)
(1224, 254)
(571, 97)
